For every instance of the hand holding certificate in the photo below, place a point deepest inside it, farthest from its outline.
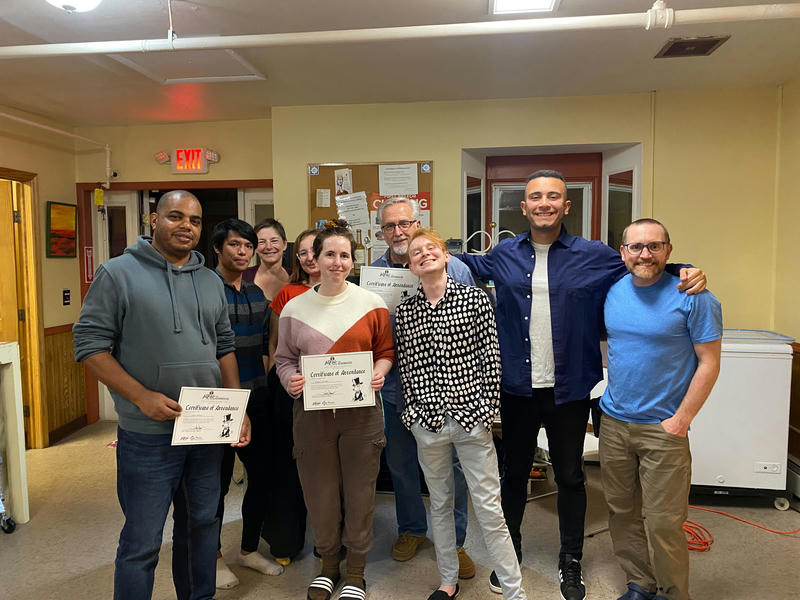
(210, 416)
(337, 380)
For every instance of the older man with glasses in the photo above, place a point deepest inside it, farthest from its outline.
(399, 217)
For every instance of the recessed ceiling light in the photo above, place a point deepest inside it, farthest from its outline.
(503, 7)
(75, 5)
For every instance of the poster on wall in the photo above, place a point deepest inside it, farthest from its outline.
(62, 230)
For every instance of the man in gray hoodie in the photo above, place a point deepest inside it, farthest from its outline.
(154, 320)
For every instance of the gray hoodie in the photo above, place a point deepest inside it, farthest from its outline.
(166, 325)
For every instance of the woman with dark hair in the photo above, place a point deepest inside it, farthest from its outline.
(269, 273)
(338, 452)
(285, 524)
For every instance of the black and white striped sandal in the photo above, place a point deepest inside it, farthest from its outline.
(353, 592)
(322, 582)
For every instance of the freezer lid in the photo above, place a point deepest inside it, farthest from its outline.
(755, 335)
(759, 342)
(763, 350)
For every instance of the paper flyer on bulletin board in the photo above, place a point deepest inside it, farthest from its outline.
(398, 180)
(353, 209)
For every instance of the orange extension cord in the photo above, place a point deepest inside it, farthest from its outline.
(700, 538)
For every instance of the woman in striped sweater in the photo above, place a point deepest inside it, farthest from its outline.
(338, 453)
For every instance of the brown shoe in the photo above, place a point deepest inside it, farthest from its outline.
(405, 547)
(466, 568)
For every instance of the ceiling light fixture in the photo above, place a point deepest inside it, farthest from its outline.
(505, 7)
(72, 6)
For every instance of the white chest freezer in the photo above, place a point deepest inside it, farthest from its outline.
(739, 439)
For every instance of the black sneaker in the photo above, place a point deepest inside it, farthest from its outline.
(494, 583)
(569, 574)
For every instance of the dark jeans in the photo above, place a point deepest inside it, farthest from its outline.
(565, 425)
(150, 475)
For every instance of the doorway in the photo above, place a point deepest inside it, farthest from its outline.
(21, 294)
(115, 226)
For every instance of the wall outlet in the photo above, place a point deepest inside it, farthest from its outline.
(767, 467)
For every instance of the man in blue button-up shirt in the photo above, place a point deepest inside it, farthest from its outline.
(399, 217)
(550, 291)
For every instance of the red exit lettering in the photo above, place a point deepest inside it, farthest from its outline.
(188, 159)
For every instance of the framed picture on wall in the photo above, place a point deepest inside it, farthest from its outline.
(62, 230)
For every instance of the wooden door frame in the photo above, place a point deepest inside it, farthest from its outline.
(28, 257)
(85, 204)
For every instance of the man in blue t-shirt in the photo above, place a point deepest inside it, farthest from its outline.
(663, 359)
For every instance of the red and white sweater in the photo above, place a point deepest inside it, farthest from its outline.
(356, 320)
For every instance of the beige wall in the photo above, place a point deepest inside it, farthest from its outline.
(52, 158)
(714, 182)
(702, 139)
(438, 131)
(245, 149)
(787, 271)
(709, 170)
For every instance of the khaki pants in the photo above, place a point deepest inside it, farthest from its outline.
(646, 473)
(338, 459)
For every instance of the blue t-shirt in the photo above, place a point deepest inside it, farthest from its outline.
(651, 335)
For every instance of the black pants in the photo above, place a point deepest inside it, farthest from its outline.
(284, 526)
(565, 425)
(255, 457)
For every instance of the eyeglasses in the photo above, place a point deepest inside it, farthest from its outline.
(636, 248)
(303, 254)
(403, 225)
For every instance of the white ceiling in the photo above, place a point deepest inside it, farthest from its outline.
(99, 90)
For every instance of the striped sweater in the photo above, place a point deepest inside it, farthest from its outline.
(354, 321)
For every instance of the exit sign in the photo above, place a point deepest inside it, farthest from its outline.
(189, 160)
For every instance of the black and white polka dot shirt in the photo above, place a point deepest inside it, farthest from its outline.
(449, 358)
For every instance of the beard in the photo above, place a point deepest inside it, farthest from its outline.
(647, 271)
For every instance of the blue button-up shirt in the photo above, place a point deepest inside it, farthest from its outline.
(392, 391)
(579, 273)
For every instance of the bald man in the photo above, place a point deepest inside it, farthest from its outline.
(155, 320)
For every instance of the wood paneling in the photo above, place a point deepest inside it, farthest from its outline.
(65, 386)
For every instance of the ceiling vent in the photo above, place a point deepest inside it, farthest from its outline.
(699, 46)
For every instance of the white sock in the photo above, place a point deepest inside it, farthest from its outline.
(260, 563)
(225, 577)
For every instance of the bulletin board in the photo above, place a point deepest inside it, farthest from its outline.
(365, 179)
